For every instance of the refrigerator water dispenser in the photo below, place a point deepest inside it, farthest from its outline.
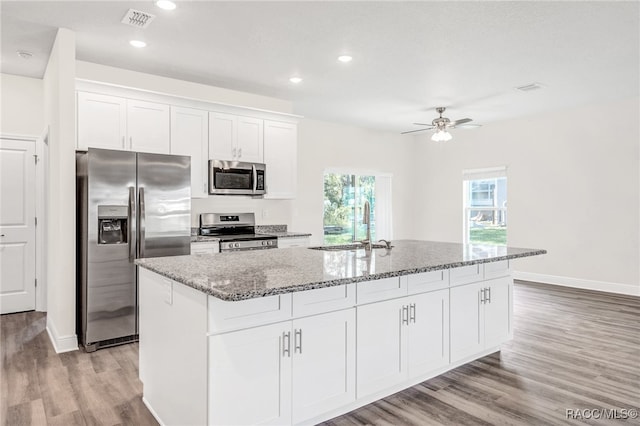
(112, 224)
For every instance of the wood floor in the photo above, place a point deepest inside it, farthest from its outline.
(573, 349)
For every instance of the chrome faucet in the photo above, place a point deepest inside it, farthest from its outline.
(366, 219)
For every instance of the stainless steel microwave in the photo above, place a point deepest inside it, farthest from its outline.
(236, 178)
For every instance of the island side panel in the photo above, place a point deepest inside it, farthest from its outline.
(173, 349)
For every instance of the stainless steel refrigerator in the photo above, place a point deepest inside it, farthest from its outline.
(129, 205)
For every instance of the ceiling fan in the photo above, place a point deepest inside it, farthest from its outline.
(441, 125)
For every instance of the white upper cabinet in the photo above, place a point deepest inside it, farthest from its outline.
(235, 138)
(102, 121)
(148, 127)
(189, 136)
(281, 157)
(223, 133)
(112, 122)
(250, 140)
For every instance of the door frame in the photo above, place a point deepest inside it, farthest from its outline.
(41, 202)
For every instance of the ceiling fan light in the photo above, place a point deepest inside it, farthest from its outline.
(446, 136)
(441, 136)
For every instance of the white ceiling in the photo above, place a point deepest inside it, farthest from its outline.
(409, 57)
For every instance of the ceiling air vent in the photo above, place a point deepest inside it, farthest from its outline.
(530, 87)
(137, 18)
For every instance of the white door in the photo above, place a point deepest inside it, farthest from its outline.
(17, 226)
(223, 134)
(467, 322)
(102, 121)
(381, 357)
(250, 376)
(324, 362)
(250, 140)
(148, 126)
(281, 158)
(497, 324)
(189, 129)
(428, 332)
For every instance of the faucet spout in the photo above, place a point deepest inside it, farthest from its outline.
(366, 219)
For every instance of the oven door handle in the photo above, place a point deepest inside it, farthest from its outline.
(254, 175)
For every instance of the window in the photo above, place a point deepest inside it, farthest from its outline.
(485, 206)
(344, 198)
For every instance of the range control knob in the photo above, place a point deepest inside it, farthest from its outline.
(237, 245)
(264, 243)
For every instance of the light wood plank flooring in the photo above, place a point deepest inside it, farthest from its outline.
(573, 349)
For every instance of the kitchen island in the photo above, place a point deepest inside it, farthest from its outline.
(299, 335)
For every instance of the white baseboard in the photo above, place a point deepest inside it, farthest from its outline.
(633, 290)
(152, 411)
(61, 343)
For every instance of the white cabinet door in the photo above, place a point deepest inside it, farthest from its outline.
(102, 121)
(189, 130)
(324, 361)
(466, 316)
(381, 357)
(281, 158)
(223, 134)
(250, 142)
(148, 127)
(250, 376)
(497, 310)
(428, 332)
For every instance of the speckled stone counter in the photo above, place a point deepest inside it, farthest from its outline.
(251, 274)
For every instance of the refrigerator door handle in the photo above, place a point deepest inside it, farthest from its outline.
(130, 219)
(141, 224)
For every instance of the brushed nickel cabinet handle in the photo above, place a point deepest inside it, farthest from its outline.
(297, 341)
(405, 314)
(286, 344)
(482, 295)
(412, 313)
(489, 292)
(239, 152)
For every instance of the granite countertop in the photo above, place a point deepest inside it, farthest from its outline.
(250, 274)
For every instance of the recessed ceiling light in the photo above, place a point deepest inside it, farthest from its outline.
(345, 58)
(295, 80)
(166, 4)
(137, 43)
(24, 54)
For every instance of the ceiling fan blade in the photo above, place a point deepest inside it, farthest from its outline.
(469, 126)
(423, 124)
(413, 131)
(458, 122)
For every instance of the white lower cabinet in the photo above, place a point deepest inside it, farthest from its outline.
(401, 339)
(250, 376)
(284, 372)
(480, 316)
(324, 362)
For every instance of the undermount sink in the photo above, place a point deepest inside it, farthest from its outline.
(343, 247)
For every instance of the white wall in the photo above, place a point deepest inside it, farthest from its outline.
(59, 108)
(21, 105)
(323, 145)
(573, 186)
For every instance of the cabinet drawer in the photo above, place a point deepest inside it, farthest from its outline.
(496, 269)
(386, 288)
(322, 300)
(293, 242)
(205, 248)
(226, 316)
(427, 281)
(465, 274)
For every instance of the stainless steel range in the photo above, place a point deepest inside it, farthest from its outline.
(236, 231)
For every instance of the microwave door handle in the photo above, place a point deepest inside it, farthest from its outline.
(131, 216)
(254, 174)
(141, 224)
